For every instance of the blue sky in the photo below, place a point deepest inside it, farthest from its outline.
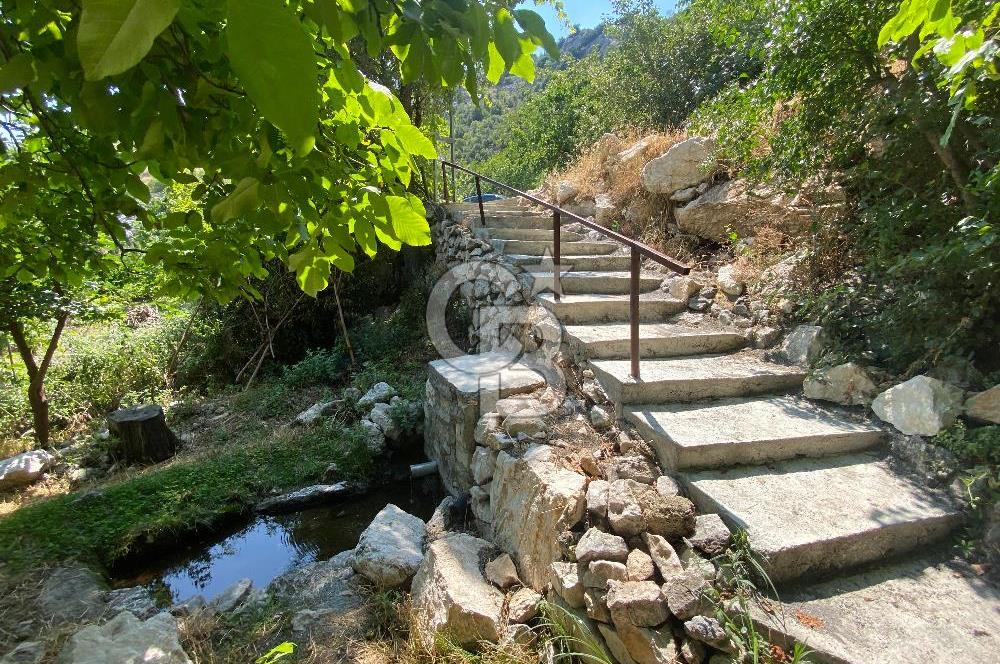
(585, 13)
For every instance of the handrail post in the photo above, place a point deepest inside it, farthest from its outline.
(634, 313)
(556, 238)
(444, 180)
(479, 197)
(454, 186)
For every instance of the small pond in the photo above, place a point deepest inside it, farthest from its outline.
(264, 547)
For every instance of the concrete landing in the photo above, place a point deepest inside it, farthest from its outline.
(611, 341)
(471, 374)
(694, 378)
(579, 309)
(600, 283)
(747, 431)
(919, 611)
(540, 247)
(812, 516)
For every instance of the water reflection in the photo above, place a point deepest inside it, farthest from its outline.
(267, 546)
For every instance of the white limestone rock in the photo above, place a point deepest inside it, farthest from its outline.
(127, 640)
(728, 282)
(383, 419)
(847, 384)
(984, 406)
(684, 165)
(624, 511)
(502, 573)
(484, 463)
(390, 550)
(803, 345)
(615, 645)
(597, 498)
(451, 596)
(921, 406)
(663, 554)
(638, 603)
(604, 209)
(711, 534)
(565, 192)
(598, 545)
(599, 572)
(600, 418)
(567, 581)
(523, 606)
(379, 393)
(640, 566)
(24, 468)
(316, 412)
(231, 597)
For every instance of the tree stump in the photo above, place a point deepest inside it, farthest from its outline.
(143, 435)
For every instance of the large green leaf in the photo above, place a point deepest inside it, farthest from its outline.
(273, 56)
(408, 220)
(534, 25)
(116, 34)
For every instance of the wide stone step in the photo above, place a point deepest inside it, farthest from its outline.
(694, 378)
(543, 235)
(613, 341)
(539, 222)
(597, 263)
(818, 516)
(747, 431)
(591, 308)
(540, 247)
(602, 283)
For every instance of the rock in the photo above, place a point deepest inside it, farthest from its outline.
(984, 406)
(707, 630)
(685, 195)
(692, 652)
(305, 497)
(664, 556)
(502, 573)
(374, 438)
(667, 486)
(694, 561)
(711, 535)
(499, 441)
(699, 304)
(351, 394)
(598, 545)
(604, 209)
(484, 463)
(383, 419)
(672, 517)
(765, 337)
(597, 498)
(637, 603)
(127, 640)
(639, 565)
(633, 152)
(803, 345)
(733, 207)
(379, 393)
(451, 596)
(596, 602)
(684, 165)
(567, 582)
(599, 572)
(920, 406)
(529, 425)
(137, 600)
(390, 550)
(728, 282)
(231, 597)
(304, 622)
(565, 192)
(448, 516)
(534, 499)
(487, 423)
(624, 512)
(189, 607)
(600, 418)
(846, 384)
(24, 468)
(27, 652)
(683, 288)
(324, 585)
(593, 391)
(685, 594)
(522, 635)
(480, 504)
(71, 594)
(523, 606)
(636, 468)
(316, 412)
(615, 645)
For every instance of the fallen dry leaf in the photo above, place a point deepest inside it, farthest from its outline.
(809, 620)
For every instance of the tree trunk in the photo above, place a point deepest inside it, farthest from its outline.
(39, 411)
(143, 436)
(36, 375)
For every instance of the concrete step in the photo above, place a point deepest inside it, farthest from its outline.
(540, 247)
(542, 235)
(747, 431)
(598, 263)
(818, 516)
(539, 222)
(603, 283)
(612, 341)
(694, 378)
(580, 309)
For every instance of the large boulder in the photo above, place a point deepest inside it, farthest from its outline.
(127, 640)
(72, 594)
(684, 165)
(733, 206)
(984, 406)
(847, 384)
(534, 499)
(325, 586)
(451, 596)
(921, 406)
(803, 345)
(390, 550)
(24, 468)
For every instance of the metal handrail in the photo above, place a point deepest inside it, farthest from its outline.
(637, 249)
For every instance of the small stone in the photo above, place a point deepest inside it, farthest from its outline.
(305, 497)
(522, 635)
(922, 406)
(669, 516)
(127, 639)
(803, 345)
(523, 605)
(189, 607)
(484, 463)
(498, 441)
(382, 417)
(486, 424)
(728, 282)
(624, 512)
(685, 594)
(138, 600)
(637, 468)
(600, 418)
(615, 645)
(664, 556)
(589, 465)
(480, 504)
(599, 572)
(502, 573)
(529, 425)
(640, 566)
(379, 393)
(598, 545)
(597, 498)
(231, 597)
(568, 584)
(765, 337)
(683, 288)
(711, 535)
(694, 561)
(316, 412)
(71, 594)
(24, 468)
(707, 630)
(692, 652)
(596, 601)
(699, 304)
(374, 438)
(667, 486)
(638, 603)
(846, 384)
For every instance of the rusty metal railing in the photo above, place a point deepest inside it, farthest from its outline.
(636, 249)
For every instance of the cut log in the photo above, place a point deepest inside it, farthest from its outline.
(143, 435)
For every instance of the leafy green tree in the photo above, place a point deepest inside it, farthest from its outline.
(259, 105)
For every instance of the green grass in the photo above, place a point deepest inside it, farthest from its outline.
(104, 525)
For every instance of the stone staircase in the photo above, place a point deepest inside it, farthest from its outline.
(810, 485)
